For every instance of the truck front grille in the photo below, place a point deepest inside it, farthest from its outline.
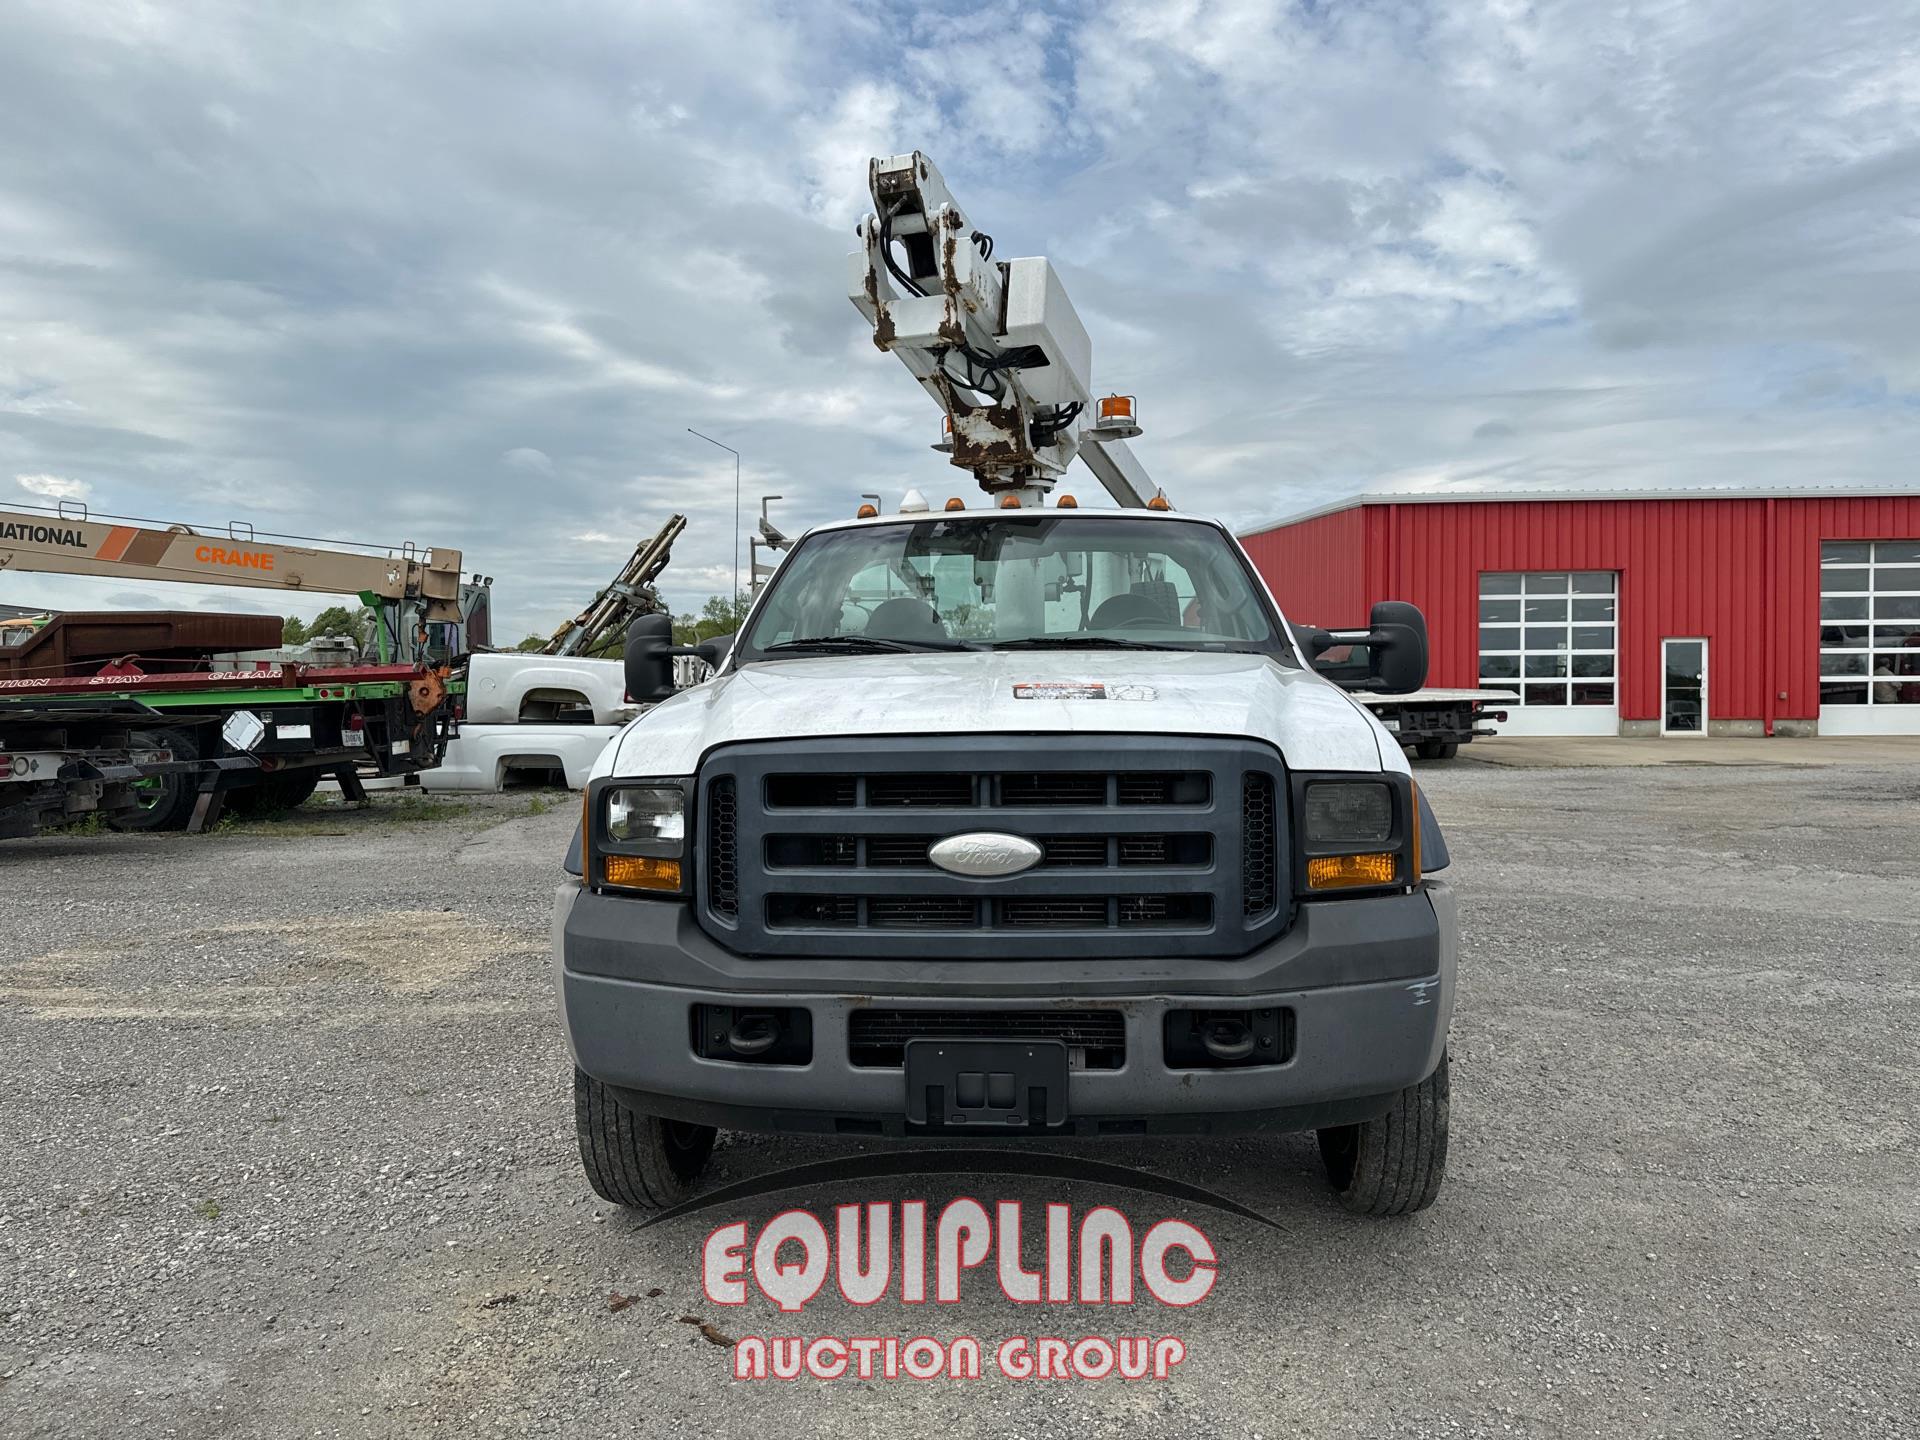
(822, 847)
(1260, 879)
(723, 849)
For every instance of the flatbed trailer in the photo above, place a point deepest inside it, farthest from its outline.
(1434, 724)
(169, 751)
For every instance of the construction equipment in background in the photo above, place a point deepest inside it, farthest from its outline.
(601, 628)
(545, 714)
(90, 729)
(155, 720)
(416, 594)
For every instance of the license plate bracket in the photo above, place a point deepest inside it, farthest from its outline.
(1002, 1084)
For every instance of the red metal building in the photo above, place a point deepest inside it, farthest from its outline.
(1785, 612)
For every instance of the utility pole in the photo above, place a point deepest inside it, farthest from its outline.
(734, 598)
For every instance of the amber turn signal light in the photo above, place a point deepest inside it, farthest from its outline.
(641, 872)
(1338, 872)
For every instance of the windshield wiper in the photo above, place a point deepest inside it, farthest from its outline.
(1081, 642)
(856, 644)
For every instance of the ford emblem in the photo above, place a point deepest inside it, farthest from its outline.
(982, 853)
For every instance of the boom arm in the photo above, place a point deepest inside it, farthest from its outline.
(996, 343)
(421, 585)
(71, 543)
(631, 595)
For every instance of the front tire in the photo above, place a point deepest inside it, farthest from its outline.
(633, 1159)
(1393, 1164)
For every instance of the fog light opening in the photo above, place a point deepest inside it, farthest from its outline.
(1227, 1038)
(762, 1036)
(753, 1033)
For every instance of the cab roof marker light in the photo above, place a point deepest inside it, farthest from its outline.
(865, 512)
(954, 502)
(1066, 502)
(1009, 501)
(1159, 502)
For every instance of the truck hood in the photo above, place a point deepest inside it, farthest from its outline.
(1313, 723)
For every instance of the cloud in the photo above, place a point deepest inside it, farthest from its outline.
(464, 275)
(525, 457)
(53, 487)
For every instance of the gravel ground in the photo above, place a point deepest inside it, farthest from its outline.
(289, 1151)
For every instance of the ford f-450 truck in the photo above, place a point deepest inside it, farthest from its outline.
(1025, 821)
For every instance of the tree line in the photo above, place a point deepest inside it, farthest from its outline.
(720, 615)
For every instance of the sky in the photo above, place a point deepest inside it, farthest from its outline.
(463, 274)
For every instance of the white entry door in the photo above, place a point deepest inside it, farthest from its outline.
(1683, 686)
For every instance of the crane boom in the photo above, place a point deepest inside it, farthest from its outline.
(72, 542)
(418, 586)
(997, 344)
(604, 622)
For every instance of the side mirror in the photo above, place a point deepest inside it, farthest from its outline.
(1389, 657)
(650, 653)
(1399, 659)
(649, 657)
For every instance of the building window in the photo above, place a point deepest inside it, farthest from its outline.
(1870, 622)
(1549, 636)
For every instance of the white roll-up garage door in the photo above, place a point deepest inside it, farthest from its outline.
(1870, 637)
(1550, 637)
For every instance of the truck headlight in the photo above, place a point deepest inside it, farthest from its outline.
(638, 836)
(1357, 834)
(650, 815)
(1348, 812)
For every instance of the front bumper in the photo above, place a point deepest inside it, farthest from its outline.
(1369, 981)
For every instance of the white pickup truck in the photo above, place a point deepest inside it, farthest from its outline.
(1022, 822)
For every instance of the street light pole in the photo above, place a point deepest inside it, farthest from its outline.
(734, 598)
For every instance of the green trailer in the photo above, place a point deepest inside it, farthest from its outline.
(170, 751)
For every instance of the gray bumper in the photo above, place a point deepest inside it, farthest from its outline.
(1370, 983)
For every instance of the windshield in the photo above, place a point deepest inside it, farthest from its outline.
(1015, 581)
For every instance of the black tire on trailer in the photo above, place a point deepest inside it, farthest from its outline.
(640, 1161)
(282, 790)
(296, 787)
(164, 802)
(1439, 749)
(1393, 1165)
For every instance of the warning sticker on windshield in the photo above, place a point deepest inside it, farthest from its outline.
(1082, 690)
